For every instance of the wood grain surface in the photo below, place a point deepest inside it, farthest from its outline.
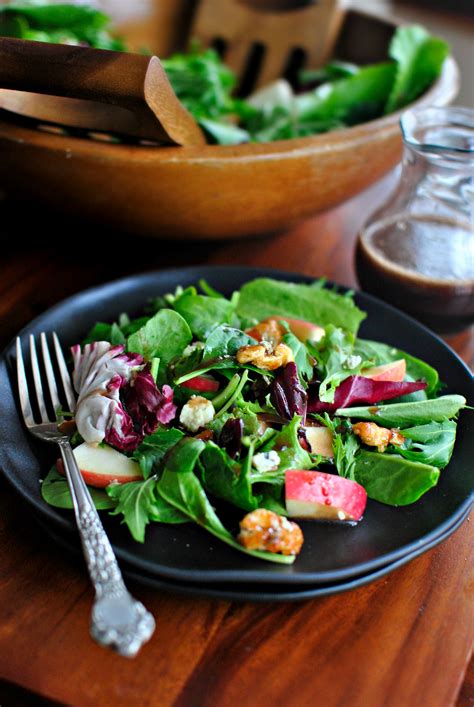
(403, 640)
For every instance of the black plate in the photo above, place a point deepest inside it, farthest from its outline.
(261, 592)
(186, 553)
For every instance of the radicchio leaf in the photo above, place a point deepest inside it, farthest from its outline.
(230, 437)
(288, 395)
(118, 401)
(359, 389)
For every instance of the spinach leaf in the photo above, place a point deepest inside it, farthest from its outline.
(202, 313)
(354, 99)
(378, 353)
(225, 340)
(139, 505)
(431, 444)
(402, 414)
(419, 58)
(55, 491)
(224, 478)
(265, 297)
(151, 452)
(164, 336)
(184, 491)
(393, 480)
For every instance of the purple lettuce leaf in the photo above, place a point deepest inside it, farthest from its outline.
(359, 389)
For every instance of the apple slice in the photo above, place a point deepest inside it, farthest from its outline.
(320, 440)
(302, 329)
(203, 384)
(394, 371)
(315, 494)
(100, 466)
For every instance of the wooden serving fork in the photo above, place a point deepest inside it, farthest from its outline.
(262, 40)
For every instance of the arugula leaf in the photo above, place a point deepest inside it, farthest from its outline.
(151, 452)
(265, 297)
(164, 336)
(419, 58)
(431, 444)
(139, 505)
(393, 480)
(226, 479)
(55, 491)
(203, 313)
(401, 414)
(345, 445)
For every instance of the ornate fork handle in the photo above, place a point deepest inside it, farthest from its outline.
(117, 618)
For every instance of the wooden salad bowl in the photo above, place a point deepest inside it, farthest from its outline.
(209, 191)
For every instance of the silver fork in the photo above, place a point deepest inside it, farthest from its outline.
(117, 620)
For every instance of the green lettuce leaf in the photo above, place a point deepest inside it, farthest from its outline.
(265, 297)
(419, 58)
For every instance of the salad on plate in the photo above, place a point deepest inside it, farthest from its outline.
(265, 404)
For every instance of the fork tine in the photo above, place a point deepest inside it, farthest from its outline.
(23, 386)
(48, 366)
(37, 380)
(65, 377)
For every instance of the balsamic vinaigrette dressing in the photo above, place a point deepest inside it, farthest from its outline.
(417, 251)
(423, 266)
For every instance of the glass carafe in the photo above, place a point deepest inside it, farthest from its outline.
(417, 251)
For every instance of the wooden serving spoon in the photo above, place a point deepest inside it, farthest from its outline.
(262, 40)
(97, 90)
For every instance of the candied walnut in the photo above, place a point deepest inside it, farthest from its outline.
(270, 331)
(259, 356)
(265, 530)
(375, 436)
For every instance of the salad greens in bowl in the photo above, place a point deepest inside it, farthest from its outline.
(304, 144)
(338, 95)
(183, 449)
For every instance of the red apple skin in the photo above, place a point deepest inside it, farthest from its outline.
(203, 384)
(99, 481)
(315, 494)
(302, 329)
(100, 466)
(394, 371)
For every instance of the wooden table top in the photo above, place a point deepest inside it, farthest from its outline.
(403, 640)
